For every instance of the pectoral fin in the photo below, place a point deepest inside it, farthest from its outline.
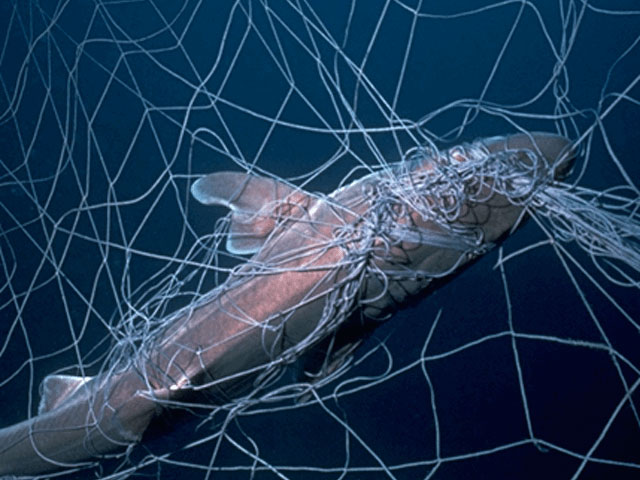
(259, 204)
(56, 389)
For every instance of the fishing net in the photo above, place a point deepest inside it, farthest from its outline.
(524, 363)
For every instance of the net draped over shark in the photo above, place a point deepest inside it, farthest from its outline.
(315, 261)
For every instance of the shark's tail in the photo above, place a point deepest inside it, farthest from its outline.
(79, 419)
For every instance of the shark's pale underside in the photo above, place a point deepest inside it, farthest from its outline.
(316, 260)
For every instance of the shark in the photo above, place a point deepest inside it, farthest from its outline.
(313, 261)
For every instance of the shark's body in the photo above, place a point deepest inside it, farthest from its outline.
(316, 259)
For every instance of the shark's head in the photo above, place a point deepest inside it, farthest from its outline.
(437, 210)
(557, 151)
(470, 195)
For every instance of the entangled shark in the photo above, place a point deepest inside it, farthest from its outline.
(315, 260)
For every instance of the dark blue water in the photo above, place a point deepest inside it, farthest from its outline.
(124, 104)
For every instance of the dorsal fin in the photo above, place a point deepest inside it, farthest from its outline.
(258, 205)
(57, 388)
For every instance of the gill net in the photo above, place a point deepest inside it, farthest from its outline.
(524, 364)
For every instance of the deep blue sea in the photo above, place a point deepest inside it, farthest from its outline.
(109, 110)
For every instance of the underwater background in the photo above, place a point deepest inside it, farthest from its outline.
(111, 109)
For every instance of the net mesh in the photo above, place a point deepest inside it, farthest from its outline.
(524, 364)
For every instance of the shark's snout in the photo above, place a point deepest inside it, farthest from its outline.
(558, 151)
